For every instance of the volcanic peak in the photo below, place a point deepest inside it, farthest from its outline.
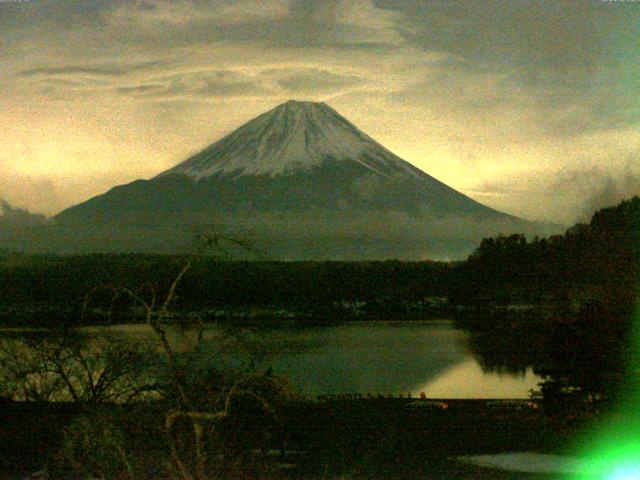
(295, 136)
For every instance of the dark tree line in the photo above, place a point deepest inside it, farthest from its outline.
(586, 281)
(49, 290)
(602, 254)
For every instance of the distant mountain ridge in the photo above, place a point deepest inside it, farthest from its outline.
(303, 174)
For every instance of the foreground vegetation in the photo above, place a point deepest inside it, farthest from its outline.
(122, 409)
(366, 438)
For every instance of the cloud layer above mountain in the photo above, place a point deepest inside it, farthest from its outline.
(498, 98)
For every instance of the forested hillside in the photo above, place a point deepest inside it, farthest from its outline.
(601, 255)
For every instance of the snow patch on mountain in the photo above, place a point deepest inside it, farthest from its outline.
(295, 136)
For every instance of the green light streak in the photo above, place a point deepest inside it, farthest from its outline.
(612, 449)
(618, 460)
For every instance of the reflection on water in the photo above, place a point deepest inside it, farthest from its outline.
(468, 380)
(371, 357)
(530, 462)
(396, 358)
(365, 357)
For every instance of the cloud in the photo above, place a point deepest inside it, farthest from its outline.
(568, 195)
(501, 187)
(281, 82)
(317, 81)
(142, 90)
(608, 190)
(560, 104)
(570, 66)
(107, 70)
(336, 23)
(458, 83)
(176, 23)
(155, 14)
(275, 23)
(27, 191)
(10, 215)
(209, 83)
(535, 34)
(566, 103)
(63, 82)
(93, 81)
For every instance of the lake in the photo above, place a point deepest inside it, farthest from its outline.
(368, 357)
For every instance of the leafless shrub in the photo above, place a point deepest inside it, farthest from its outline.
(72, 366)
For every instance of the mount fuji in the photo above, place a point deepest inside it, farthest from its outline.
(306, 184)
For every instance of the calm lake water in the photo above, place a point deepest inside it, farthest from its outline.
(370, 357)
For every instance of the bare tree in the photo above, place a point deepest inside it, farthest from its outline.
(71, 366)
(204, 409)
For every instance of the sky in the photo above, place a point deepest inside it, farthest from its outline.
(531, 107)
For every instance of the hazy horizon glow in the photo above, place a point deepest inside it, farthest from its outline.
(528, 107)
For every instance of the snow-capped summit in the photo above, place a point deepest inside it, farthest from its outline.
(295, 136)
